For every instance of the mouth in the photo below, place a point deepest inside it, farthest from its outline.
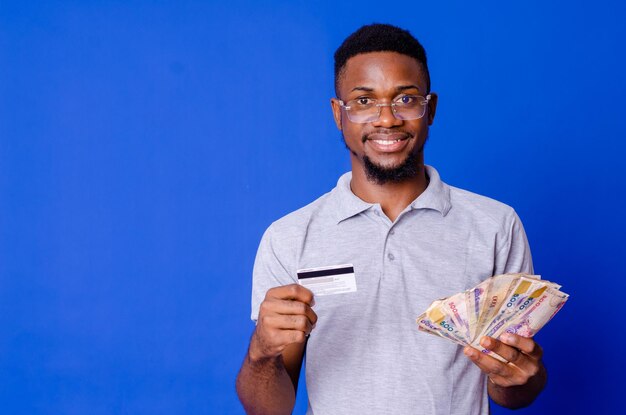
(387, 143)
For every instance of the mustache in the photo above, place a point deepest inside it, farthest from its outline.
(366, 136)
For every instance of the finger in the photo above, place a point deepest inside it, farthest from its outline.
(299, 322)
(288, 322)
(289, 307)
(501, 381)
(291, 292)
(508, 353)
(488, 364)
(297, 307)
(292, 336)
(528, 366)
(526, 344)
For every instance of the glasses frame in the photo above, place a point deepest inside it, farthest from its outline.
(393, 105)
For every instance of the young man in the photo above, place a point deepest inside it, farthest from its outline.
(410, 238)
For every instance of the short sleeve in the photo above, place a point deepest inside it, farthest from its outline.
(268, 271)
(513, 255)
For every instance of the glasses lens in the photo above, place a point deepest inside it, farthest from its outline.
(410, 107)
(410, 113)
(360, 112)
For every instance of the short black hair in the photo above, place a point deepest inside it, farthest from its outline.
(379, 37)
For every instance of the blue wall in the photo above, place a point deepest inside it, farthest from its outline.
(144, 148)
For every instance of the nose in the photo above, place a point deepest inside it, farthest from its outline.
(387, 118)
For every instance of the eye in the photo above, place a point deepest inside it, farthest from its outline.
(364, 101)
(406, 99)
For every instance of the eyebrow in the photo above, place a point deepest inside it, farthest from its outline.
(362, 88)
(398, 88)
(405, 87)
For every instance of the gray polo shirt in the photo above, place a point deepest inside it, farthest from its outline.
(365, 355)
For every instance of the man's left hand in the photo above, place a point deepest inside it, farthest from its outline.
(522, 355)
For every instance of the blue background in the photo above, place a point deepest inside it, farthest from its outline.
(145, 147)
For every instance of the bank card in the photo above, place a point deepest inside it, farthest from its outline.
(335, 279)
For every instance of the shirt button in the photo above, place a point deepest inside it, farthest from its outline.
(391, 232)
(390, 256)
(377, 213)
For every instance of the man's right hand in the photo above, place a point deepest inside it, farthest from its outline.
(285, 317)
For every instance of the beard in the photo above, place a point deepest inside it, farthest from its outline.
(380, 175)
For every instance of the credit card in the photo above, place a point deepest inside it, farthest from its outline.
(335, 279)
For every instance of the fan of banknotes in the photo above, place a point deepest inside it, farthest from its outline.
(514, 303)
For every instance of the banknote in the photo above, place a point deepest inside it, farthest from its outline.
(475, 299)
(444, 323)
(534, 316)
(524, 291)
(456, 307)
(499, 289)
(428, 326)
(514, 303)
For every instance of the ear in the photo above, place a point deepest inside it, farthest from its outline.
(336, 107)
(432, 108)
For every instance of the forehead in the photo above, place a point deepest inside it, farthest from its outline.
(381, 71)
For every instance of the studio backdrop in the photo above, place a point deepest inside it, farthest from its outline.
(146, 146)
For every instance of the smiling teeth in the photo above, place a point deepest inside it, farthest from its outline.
(386, 142)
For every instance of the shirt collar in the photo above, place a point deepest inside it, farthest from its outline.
(348, 204)
(436, 197)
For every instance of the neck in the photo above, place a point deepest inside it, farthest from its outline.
(392, 197)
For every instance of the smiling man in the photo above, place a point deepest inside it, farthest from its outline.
(386, 241)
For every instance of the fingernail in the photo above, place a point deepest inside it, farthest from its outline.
(485, 342)
(507, 337)
(469, 352)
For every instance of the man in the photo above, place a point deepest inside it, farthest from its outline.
(410, 239)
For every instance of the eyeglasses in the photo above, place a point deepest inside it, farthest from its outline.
(405, 107)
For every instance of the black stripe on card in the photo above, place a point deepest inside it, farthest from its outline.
(325, 272)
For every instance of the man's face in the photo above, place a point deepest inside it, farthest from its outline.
(388, 149)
